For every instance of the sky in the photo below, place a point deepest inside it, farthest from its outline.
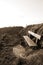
(20, 12)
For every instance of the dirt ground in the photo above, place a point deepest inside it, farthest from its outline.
(14, 50)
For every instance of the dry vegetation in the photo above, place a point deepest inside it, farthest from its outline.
(10, 38)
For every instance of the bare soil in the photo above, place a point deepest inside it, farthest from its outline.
(13, 49)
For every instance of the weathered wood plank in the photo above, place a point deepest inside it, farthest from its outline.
(29, 41)
(35, 35)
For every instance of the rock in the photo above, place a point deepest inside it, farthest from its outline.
(19, 51)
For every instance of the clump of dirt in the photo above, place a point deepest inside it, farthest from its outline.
(14, 50)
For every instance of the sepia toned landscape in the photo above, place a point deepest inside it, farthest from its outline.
(15, 51)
